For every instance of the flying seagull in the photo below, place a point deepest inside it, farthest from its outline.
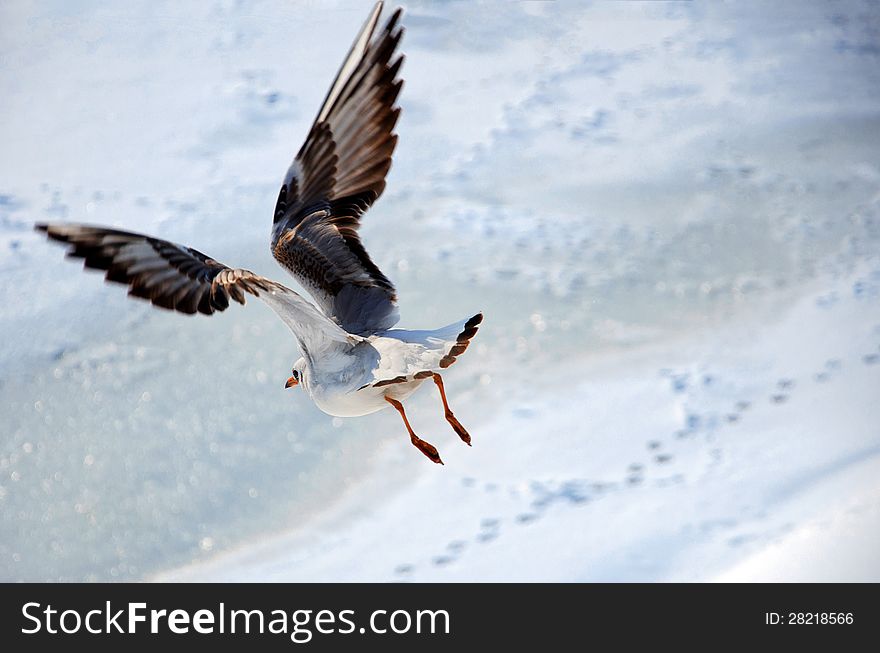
(353, 362)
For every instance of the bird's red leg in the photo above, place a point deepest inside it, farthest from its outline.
(425, 447)
(456, 425)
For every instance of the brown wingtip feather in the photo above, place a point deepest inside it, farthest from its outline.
(462, 340)
(397, 379)
(170, 276)
(395, 18)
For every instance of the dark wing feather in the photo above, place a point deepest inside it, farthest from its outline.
(170, 276)
(337, 174)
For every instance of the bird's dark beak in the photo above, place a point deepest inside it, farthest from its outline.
(291, 382)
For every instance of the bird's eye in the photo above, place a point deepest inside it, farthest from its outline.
(296, 375)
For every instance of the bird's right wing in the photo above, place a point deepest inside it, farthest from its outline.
(183, 279)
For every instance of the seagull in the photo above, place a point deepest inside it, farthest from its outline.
(353, 362)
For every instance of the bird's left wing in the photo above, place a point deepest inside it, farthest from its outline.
(337, 174)
(183, 279)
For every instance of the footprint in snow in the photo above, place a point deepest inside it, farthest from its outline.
(456, 546)
(486, 536)
(675, 479)
(488, 530)
(404, 570)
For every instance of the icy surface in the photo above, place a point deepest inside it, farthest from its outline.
(669, 213)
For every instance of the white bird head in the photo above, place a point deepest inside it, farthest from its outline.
(298, 371)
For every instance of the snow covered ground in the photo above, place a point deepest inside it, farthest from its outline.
(669, 213)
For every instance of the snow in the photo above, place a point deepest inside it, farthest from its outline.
(837, 546)
(667, 212)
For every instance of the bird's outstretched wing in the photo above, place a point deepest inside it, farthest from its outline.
(183, 279)
(337, 174)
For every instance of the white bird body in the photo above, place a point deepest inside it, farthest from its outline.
(354, 363)
(347, 401)
(392, 363)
